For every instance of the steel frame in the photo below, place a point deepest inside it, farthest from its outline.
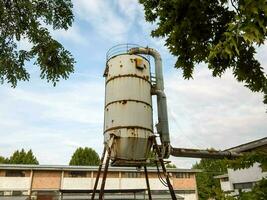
(108, 150)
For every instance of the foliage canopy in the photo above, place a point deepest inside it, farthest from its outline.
(85, 156)
(221, 33)
(207, 186)
(28, 20)
(22, 157)
(3, 160)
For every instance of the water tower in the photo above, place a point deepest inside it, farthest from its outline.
(129, 136)
(128, 118)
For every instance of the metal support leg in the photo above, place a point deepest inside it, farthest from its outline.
(98, 173)
(164, 170)
(101, 193)
(147, 184)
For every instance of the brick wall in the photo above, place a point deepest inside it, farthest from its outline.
(46, 180)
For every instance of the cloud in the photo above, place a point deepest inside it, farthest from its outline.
(129, 8)
(102, 18)
(68, 104)
(73, 34)
(212, 112)
(52, 122)
(204, 112)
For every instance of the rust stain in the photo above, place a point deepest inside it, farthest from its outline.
(126, 100)
(127, 127)
(145, 77)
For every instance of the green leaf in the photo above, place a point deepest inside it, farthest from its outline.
(26, 19)
(212, 33)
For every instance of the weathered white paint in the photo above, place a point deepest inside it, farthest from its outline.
(130, 114)
(76, 183)
(133, 183)
(191, 196)
(155, 184)
(248, 175)
(140, 183)
(226, 186)
(15, 183)
(133, 88)
(252, 174)
(88, 183)
(128, 108)
(112, 183)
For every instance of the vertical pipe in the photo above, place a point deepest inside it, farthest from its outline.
(163, 125)
(120, 180)
(61, 179)
(61, 184)
(31, 182)
(92, 179)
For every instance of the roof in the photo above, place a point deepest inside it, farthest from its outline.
(222, 176)
(84, 168)
(260, 145)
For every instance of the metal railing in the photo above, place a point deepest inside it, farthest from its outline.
(121, 49)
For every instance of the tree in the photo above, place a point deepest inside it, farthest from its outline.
(207, 186)
(85, 156)
(215, 33)
(3, 160)
(28, 19)
(259, 191)
(169, 165)
(23, 157)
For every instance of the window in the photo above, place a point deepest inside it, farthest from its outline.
(133, 175)
(187, 175)
(16, 193)
(247, 185)
(15, 173)
(179, 175)
(77, 174)
(225, 179)
(182, 175)
(46, 195)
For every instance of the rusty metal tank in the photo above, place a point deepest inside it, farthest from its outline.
(128, 108)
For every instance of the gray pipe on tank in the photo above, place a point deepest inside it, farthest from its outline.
(163, 124)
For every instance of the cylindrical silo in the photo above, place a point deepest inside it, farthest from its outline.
(128, 109)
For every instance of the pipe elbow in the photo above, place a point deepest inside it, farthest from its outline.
(159, 93)
(145, 50)
(134, 50)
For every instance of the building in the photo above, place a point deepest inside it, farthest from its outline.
(244, 179)
(47, 182)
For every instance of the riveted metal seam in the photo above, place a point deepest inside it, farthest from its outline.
(128, 75)
(131, 100)
(127, 127)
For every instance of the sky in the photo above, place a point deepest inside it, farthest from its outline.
(204, 112)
